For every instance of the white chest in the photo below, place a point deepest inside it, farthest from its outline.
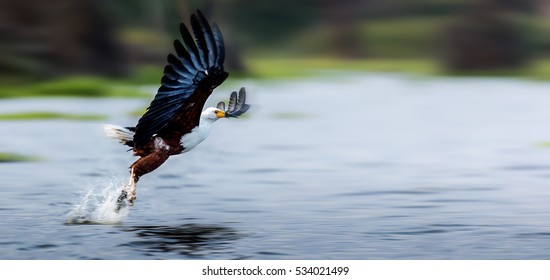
(193, 138)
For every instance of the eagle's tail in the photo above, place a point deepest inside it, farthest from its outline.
(124, 135)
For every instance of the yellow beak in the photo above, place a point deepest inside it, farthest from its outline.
(220, 114)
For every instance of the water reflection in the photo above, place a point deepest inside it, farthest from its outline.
(192, 240)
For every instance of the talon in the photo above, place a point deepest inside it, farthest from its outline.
(121, 201)
(128, 193)
(131, 199)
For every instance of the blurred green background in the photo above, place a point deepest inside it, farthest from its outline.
(98, 47)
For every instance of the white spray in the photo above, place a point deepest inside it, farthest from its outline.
(97, 206)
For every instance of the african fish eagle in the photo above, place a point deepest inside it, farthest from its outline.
(173, 123)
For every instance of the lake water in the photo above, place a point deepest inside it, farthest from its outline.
(361, 166)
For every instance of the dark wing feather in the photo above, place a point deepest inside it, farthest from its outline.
(189, 78)
(242, 98)
(209, 40)
(191, 47)
(237, 105)
(232, 101)
(220, 46)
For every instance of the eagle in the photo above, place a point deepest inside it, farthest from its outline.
(174, 123)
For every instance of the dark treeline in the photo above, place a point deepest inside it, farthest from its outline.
(45, 39)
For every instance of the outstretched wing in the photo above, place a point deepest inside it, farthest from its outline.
(237, 105)
(189, 78)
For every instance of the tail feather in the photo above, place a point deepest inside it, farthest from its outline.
(124, 135)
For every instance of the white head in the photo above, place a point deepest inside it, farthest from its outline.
(212, 114)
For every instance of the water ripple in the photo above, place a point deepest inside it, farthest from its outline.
(169, 187)
(450, 200)
(526, 167)
(169, 176)
(417, 206)
(534, 234)
(268, 253)
(411, 232)
(263, 170)
(390, 192)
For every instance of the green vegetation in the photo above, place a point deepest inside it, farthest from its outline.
(259, 67)
(49, 116)
(407, 42)
(299, 67)
(267, 68)
(543, 145)
(539, 70)
(412, 37)
(273, 68)
(145, 75)
(137, 112)
(73, 87)
(402, 37)
(10, 157)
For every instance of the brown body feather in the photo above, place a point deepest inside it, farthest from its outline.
(187, 118)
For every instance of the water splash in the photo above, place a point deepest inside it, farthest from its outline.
(98, 203)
